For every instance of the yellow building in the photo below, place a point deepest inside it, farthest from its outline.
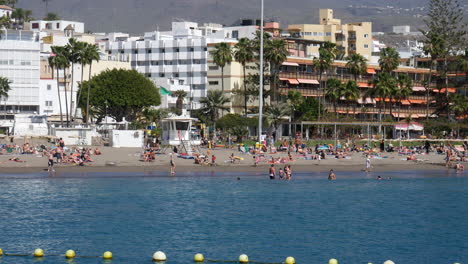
(350, 38)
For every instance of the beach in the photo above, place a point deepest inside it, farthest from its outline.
(129, 160)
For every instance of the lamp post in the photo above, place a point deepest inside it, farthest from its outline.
(260, 100)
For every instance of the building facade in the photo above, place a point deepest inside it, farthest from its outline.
(350, 38)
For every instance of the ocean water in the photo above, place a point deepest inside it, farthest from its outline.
(416, 217)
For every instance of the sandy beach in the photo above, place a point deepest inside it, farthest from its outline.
(129, 160)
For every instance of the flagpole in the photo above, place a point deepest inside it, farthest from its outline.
(260, 101)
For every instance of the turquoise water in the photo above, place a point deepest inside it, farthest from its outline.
(417, 217)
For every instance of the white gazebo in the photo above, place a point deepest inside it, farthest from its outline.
(177, 130)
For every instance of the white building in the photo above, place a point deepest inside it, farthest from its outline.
(402, 29)
(179, 55)
(19, 63)
(168, 87)
(5, 11)
(56, 25)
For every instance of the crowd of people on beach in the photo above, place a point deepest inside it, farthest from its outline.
(63, 155)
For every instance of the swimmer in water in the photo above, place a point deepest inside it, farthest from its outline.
(272, 172)
(331, 175)
(379, 178)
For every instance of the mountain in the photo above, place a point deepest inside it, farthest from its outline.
(138, 16)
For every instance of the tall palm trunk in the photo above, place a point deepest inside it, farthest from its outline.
(71, 90)
(65, 91)
(87, 97)
(427, 89)
(222, 79)
(245, 93)
(59, 98)
(446, 86)
(78, 96)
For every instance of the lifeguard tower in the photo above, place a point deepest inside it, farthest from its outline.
(177, 131)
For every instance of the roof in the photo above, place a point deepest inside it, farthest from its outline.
(5, 7)
(69, 27)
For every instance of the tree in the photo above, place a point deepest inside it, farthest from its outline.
(402, 91)
(357, 65)
(350, 92)
(75, 55)
(4, 88)
(4, 23)
(383, 87)
(295, 99)
(389, 60)
(62, 54)
(243, 54)
(275, 53)
(180, 94)
(222, 55)
(327, 54)
(236, 125)
(433, 48)
(333, 92)
(51, 17)
(213, 103)
(446, 30)
(90, 54)
(274, 114)
(119, 93)
(54, 63)
(459, 105)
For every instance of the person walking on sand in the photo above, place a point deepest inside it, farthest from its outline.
(331, 175)
(272, 172)
(368, 164)
(50, 164)
(173, 166)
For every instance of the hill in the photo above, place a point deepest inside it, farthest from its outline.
(137, 16)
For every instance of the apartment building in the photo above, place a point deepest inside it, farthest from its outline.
(19, 63)
(350, 38)
(179, 55)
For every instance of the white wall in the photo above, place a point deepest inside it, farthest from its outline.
(126, 138)
(74, 136)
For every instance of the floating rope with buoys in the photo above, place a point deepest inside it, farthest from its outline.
(159, 256)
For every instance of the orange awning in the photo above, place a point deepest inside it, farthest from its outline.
(419, 89)
(450, 90)
(309, 81)
(405, 102)
(293, 81)
(371, 71)
(365, 85)
(417, 101)
(283, 79)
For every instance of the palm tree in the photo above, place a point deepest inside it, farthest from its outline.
(62, 62)
(357, 65)
(275, 113)
(275, 53)
(222, 55)
(389, 60)
(90, 54)
(433, 48)
(54, 63)
(351, 94)
(180, 94)
(333, 92)
(214, 102)
(243, 54)
(327, 54)
(18, 15)
(403, 91)
(383, 87)
(75, 51)
(459, 105)
(4, 88)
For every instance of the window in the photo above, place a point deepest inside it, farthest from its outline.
(192, 49)
(177, 50)
(35, 25)
(176, 75)
(328, 34)
(148, 51)
(58, 25)
(213, 83)
(213, 68)
(148, 75)
(315, 33)
(366, 35)
(162, 50)
(48, 103)
(205, 49)
(235, 34)
(181, 82)
(135, 51)
(49, 87)
(366, 46)
(196, 61)
(161, 75)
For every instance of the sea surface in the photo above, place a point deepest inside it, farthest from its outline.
(414, 217)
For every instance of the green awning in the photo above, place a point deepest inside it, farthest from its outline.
(164, 91)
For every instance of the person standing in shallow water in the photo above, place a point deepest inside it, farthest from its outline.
(272, 172)
(331, 175)
(172, 165)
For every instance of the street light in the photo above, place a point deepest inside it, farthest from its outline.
(260, 101)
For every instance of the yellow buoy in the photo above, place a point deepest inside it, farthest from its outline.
(243, 258)
(107, 255)
(389, 262)
(38, 252)
(70, 254)
(333, 261)
(1, 252)
(290, 260)
(159, 256)
(198, 257)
